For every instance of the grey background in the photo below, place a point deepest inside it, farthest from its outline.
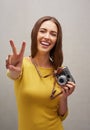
(16, 20)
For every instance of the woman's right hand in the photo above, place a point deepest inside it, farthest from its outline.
(14, 61)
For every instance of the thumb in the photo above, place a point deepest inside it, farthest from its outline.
(13, 68)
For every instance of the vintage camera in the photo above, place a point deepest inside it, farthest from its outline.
(63, 75)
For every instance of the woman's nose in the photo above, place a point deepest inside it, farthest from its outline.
(47, 36)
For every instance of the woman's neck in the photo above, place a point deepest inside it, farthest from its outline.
(42, 61)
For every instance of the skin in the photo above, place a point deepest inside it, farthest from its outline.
(46, 39)
(14, 61)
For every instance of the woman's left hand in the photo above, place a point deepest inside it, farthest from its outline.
(68, 89)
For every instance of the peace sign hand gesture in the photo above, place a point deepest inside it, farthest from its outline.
(14, 61)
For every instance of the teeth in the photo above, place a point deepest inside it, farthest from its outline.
(45, 43)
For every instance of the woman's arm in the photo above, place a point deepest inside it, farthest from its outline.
(63, 107)
(63, 103)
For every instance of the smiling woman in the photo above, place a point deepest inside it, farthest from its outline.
(34, 78)
(56, 53)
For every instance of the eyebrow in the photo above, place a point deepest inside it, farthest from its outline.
(51, 31)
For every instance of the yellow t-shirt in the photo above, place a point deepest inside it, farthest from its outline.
(36, 111)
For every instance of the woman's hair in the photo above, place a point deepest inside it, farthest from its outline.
(56, 54)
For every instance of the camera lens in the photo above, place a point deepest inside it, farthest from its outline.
(62, 80)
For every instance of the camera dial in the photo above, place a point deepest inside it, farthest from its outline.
(62, 80)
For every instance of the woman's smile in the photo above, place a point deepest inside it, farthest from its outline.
(45, 43)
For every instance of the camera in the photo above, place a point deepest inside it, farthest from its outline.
(63, 75)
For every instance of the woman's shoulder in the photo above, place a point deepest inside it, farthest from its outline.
(27, 61)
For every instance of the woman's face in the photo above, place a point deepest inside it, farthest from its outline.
(47, 36)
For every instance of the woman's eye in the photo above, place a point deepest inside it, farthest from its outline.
(54, 34)
(42, 31)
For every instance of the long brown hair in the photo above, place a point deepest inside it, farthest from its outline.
(56, 53)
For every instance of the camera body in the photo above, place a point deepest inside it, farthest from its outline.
(63, 75)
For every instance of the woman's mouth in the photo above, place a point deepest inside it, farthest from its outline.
(45, 43)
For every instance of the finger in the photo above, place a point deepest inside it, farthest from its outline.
(7, 58)
(66, 89)
(13, 47)
(71, 85)
(22, 49)
(8, 61)
(13, 68)
(6, 64)
(71, 88)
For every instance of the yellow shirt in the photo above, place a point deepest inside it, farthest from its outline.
(36, 111)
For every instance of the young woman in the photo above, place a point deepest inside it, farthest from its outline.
(41, 102)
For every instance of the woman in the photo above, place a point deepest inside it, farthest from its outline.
(41, 101)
